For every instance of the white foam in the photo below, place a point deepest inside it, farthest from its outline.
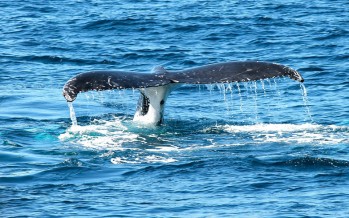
(271, 127)
(110, 135)
(144, 159)
(292, 133)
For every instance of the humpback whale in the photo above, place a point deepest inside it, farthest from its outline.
(156, 86)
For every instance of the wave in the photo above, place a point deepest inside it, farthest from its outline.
(54, 172)
(313, 162)
(174, 168)
(53, 59)
(334, 33)
(300, 162)
(128, 22)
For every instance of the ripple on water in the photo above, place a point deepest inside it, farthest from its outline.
(313, 163)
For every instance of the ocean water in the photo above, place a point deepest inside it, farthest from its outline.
(270, 148)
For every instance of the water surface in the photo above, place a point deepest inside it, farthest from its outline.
(259, 149)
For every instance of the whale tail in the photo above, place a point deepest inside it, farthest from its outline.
(156, 86)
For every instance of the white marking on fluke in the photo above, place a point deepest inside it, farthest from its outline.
(151, 104)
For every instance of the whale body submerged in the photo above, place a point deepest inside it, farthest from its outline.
(156, 86)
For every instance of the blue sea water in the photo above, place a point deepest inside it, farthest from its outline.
(260, 149)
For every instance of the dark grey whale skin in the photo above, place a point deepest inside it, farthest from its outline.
(215, 73)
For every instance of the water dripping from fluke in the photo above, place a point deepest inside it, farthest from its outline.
(72, 114)
(305, 101)
(261, 101)
(240, 96)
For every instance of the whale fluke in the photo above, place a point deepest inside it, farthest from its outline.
(234, 72)
(215, 73)
(107, 80)
(156, 86)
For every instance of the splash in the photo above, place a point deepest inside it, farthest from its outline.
(118, 142)
(100, 135)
